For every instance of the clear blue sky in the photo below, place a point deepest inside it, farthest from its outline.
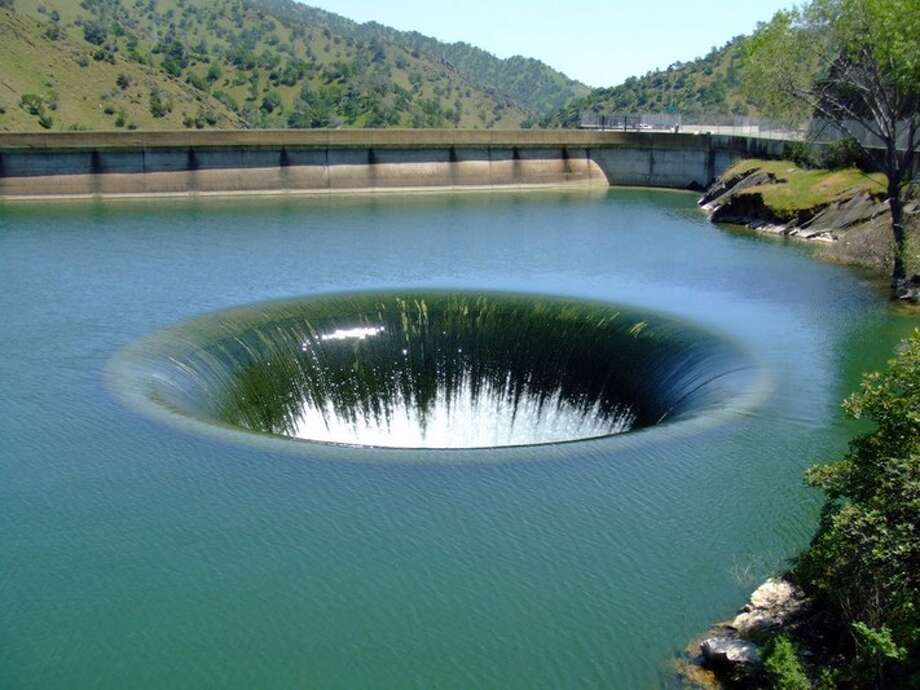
(600, 42)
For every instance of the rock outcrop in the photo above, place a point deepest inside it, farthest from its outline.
(772, 605)
(732, 650)
(853, 228)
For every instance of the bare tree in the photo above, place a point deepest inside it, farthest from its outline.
(857, 64)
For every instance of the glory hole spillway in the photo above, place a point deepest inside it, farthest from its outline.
(437, 369)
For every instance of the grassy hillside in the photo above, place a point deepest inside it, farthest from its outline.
(709, 84)
(106, 64)
(529, 82)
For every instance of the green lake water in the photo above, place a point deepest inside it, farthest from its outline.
(141, 551)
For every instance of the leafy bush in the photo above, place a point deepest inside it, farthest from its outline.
(6, 4)
(160, 105)
(171, 66)
(32, 103)
(123, 81)
(845, 153)
(799, 153)
(782, 666)
(840, 154)
(271, 102)
(862, 563)
(53, 32)
(94, 32)
(874, 650)
(197, 81)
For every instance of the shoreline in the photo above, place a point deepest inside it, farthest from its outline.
(840, 214)
(341, 192)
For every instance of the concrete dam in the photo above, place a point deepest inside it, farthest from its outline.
(86, 164)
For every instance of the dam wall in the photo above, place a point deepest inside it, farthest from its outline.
(81, 164)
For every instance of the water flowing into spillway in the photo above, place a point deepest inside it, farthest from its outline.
(436, 369)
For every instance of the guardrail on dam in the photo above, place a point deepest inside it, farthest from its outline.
(68, 164)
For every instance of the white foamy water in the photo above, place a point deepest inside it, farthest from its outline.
(463, 420)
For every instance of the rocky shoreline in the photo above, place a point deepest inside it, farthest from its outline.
(729, 655)
(852, 228)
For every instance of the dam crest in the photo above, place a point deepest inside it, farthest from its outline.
(86, 164)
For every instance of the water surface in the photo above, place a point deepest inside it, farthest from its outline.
(138, 553)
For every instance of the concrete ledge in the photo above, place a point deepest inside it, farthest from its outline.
(216, 161)
(349, 138)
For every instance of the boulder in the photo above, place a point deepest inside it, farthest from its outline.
(730, 652)
(772, 605)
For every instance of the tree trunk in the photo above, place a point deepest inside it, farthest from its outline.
(899, 287)
(899, 271)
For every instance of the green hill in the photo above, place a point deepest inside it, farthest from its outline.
(106, 64)
(710, 84)
(529, 82)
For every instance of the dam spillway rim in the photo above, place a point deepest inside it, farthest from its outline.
(128, 369)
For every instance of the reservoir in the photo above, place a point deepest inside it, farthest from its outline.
(176, 513)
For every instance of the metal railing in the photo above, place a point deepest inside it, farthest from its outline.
(730, 125)
(815, 130)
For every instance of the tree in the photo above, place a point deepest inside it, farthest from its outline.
(857, 64)
(271, 102)
(214, 72)
(864, 562)
(94, 33)
(782, 666)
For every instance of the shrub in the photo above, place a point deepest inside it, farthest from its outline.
(123, 81)
(32, 103)
(197, 81)
(845, 153)
(94, 32)
(782, 665)
(271, 102)
(799, 153)
(6, 4)
(861, 564)
(171, 66)
(875, 649)
(160, 105)
(214, 72)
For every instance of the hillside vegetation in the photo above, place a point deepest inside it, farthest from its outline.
(707, 85)
(529, 82)
(108, 64)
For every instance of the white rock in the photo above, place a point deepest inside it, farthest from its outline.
(771, 605)
(730, 651)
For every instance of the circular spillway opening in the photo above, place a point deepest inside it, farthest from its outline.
(435, 369)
